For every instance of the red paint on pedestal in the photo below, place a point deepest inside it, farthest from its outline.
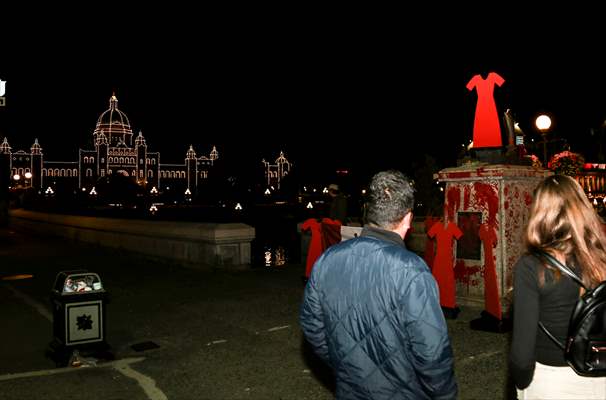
(453, 199)
(486, 197)
(466, 197)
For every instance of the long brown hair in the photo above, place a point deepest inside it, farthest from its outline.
(563, 220)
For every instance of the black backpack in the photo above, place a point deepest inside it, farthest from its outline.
(585, 348)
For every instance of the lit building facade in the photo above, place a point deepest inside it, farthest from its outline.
(274, 173)
(113, 153)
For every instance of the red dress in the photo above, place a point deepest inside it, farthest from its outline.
(486, 127)
(331, 232)
(492, 302)
(315, 245)
(443, 269)
(430, 251)
(323, 235)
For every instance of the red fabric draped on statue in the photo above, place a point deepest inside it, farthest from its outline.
(443, 269)
(323, 235)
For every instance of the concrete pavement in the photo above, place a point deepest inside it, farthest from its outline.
(221, 334)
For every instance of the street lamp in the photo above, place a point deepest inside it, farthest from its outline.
(543, 123)
(28, 179)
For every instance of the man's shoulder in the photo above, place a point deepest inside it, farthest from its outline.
(388, 248)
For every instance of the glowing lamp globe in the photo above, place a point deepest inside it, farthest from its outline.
(543, 123)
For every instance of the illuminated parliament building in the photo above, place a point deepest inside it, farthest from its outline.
(114, 153)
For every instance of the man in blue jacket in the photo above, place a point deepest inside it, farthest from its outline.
(371, 309)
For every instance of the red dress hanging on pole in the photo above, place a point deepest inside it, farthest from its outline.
(486, 127)
(315, 245)
(492, 302)
(323, 235)
(430, 251)
(331, 232)
(443, 268)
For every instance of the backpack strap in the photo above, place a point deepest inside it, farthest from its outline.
(563, 268)
(566, 271)
(550, 336)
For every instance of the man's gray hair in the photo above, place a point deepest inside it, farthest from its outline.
(391, 198)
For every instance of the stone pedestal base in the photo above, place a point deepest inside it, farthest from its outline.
(489, 203)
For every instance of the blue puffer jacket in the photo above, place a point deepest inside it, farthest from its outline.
(371, 311)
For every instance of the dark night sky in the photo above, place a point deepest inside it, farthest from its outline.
(363, 101)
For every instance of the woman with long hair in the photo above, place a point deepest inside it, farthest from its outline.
(562, 223)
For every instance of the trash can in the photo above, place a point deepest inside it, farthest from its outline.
(78, 300)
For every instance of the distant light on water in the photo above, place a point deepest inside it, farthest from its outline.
(274, 257)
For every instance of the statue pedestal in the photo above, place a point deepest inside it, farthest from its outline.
(490, 204)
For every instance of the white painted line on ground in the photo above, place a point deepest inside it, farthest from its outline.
(216, 342)
(147, 384)
(277, 328)
(47, 372)
(31, 302)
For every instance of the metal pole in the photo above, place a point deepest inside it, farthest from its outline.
(545, 148)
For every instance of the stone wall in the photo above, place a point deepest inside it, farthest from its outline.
(199, 245)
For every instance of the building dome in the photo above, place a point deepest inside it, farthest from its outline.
(5, 148)
(36, 149)
(114, 124)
